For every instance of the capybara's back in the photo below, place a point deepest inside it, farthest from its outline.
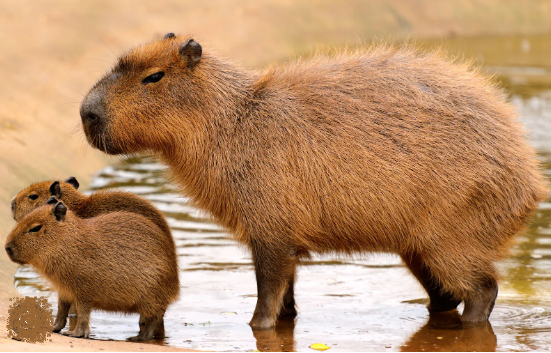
(381, 149)
(391, 151)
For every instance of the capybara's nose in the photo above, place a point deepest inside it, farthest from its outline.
(9, 250)
(92, 110)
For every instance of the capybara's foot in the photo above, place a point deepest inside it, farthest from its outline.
(78, 333)
(288, 310)
(150, 328)
(442, 302)
(63, 307)
(59, 325)
(479, 307)
(262, 322)
(137, 338)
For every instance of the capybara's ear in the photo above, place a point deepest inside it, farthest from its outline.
(60, 211)
(73, 181)
(169, 35)
(52, 201)
(55, 189)
(192, 51)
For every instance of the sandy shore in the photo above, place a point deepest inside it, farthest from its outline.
(54, 51)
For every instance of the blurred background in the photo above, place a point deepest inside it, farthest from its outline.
(52, 52)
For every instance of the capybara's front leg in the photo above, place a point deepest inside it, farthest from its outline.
(82, 328)
(62, 312)
(160, 332)
(72, 316)
(273, 267)
(479, 305)
(440, 300)
(150, 327)
(288, 309)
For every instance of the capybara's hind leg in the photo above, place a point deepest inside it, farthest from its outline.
(62, 312)
(82, 328)
(273, 268)
(288, 309)
(479, 305)
(440, 300)
(150, 327)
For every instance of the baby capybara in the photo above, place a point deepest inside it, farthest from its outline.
(377, 150)
(119, 261)
(100, 202)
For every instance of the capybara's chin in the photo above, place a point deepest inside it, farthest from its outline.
(15, 259)
(103, 143)
(12, 254)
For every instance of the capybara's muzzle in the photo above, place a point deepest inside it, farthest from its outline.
(93, 114)
(10, 249)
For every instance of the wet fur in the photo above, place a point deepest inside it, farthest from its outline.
(381, 149)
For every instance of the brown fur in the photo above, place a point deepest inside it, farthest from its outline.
(100, 202)
(119, 261)
(377, 150)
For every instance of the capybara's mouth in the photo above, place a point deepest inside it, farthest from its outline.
(13, 257)
(101, 143)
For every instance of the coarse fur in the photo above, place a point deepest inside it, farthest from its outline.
(100, 202)
(119, 261)
(381, 149)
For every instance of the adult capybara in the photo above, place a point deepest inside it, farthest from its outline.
(100, 202)
(378, 150)
(119, 261)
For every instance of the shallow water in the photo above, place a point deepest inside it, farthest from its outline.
(369, 303)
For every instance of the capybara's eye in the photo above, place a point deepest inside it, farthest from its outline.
(156, 77)
(35, 229)
(33, 197)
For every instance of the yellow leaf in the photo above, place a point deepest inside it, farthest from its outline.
(319, 347)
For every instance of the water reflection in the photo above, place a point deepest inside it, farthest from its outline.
(279, 339)
(444, 332)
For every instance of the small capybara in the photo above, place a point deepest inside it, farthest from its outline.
(100, 202)
(119, 261)
(380, 149)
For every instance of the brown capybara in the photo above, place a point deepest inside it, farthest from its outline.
(100, 202)
(377, 150)
(119, 261)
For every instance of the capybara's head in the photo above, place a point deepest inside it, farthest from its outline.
(153, 90)
(36, 233)
(38, 194)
